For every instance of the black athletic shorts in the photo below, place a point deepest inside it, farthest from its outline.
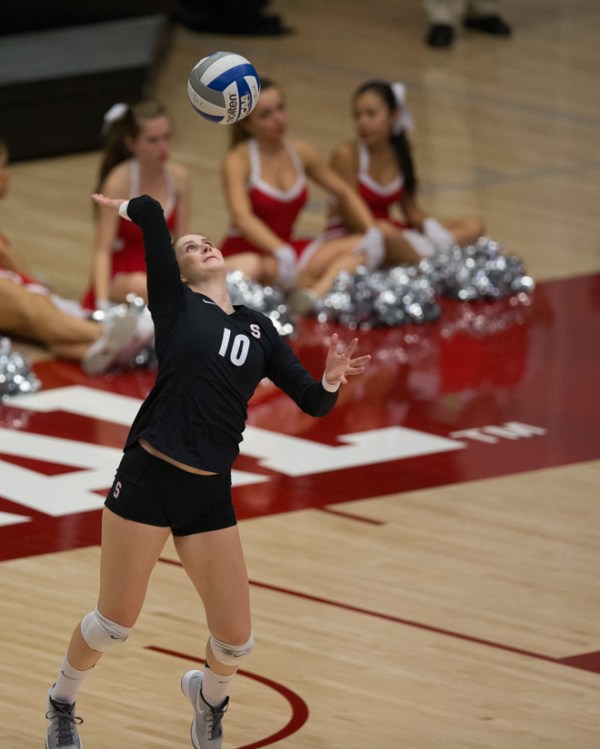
(150, 490)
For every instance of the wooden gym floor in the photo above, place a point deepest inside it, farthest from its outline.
(424, 561)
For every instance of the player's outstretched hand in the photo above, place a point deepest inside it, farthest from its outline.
(340, 364)
(102, 200)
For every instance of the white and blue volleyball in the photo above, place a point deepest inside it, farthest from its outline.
(223, 87)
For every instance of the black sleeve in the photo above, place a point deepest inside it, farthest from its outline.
(164, 282)
(289, 374)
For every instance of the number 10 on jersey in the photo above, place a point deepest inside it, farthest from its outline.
(237, 352)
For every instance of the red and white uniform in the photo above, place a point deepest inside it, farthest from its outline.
(68, 306)
(278, 209)
(128, 246)
(380, 198)
(31, 284)
(22, 280)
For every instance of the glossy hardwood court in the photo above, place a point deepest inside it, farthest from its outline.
(423, 562)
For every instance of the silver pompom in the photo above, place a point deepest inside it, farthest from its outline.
(266, 299)
(387, 297)
(477, 272)
(16, 375)
(407, 294)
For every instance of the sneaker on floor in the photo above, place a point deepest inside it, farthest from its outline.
(62, 726)
(144, 337)
(492, 24)
(206, 731)
(440, 35)
(419, 242)
(117, 339)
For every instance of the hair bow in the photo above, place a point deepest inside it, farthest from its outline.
(404, 120)
(115, 113)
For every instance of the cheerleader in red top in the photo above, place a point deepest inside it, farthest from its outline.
(379, 164)
(136, 160)
(265, 182)
(29, 310)
(380, 198)
(279, 209)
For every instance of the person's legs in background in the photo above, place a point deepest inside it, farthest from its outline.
(478, 15)
(484, 15)
(443, 17)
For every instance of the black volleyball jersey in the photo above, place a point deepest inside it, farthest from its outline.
(209, 362)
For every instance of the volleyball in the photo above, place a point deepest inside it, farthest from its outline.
(223, 87)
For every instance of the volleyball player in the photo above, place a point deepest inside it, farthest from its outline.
(175, 474)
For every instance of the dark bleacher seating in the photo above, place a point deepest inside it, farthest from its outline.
(57, 82)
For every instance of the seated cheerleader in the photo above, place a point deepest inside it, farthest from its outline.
(379, 164)
(265, 182)
(30, 311)
(135, 160)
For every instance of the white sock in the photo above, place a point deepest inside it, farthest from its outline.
(215, 687)
(68, 681)
(419, 242)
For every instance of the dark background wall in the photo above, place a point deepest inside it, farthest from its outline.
(63, 64)
(18, 16)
